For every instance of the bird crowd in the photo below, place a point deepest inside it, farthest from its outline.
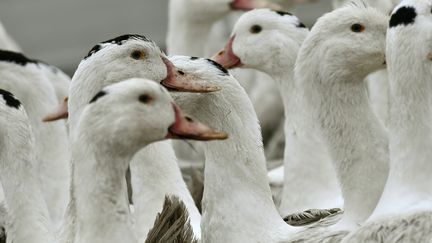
(286, 134)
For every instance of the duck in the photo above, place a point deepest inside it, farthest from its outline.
(26, 78)
(320, 106)
(404, 213)
(117, 122)
(279, 36)
(237, 163)
(193, 28)
(125, 57)
(335, 101)
(28, 218)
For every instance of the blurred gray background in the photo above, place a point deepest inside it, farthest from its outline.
(61, 32)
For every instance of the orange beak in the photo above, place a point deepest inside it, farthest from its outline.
(185, 127)
(246, 5)
(60, 113)
(226, 56)
(177, 80)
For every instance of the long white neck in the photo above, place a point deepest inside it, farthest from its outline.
(237, 202)
(51, 147)
(28, 214)
(408, 185)
(305, 171)
(54, 158)
(356, 140)
(102, 214)
(155, 173)
(186, 36)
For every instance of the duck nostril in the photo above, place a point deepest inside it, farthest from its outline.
(180, 72)
(189, 119)
(221, 53)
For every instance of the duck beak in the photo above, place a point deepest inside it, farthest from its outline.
(185, 127)
(177, 80)
(60, 113)
(246, 5)
(226, 56)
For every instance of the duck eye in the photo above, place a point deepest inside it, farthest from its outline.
(137, 55)
(145, 98)
(255, 29)
(357, 28)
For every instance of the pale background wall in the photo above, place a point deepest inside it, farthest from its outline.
(60, 32)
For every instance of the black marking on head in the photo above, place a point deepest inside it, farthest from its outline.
(10, 99)
(283, 13)
(97, 96)
(301, 25)
(403, 16)
(218, 66)
(95, 49)
(120, 40)
(15, 57)
(194, 58)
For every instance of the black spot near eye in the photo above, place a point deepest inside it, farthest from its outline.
(358, 28)
(403, 16)
(255, 29)
(137, 55)
(145, 98)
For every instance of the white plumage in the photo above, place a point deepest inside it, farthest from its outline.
(356, 139)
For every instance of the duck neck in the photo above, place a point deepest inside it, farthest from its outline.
(410, 131)
(323, 189)
(236, 182)
(186, 36)
(28, 213)
(356, 140)
(98, 184)
(53, 152)
(155, 174)
(285, 82)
